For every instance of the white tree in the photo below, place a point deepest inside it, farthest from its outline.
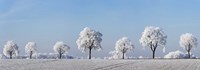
(10, 49)
(89, 39)
(153, 37)
(30, 49)
(61, 48)
(188, 41)
(123, 46)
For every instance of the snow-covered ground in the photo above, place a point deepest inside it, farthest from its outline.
(81, 64)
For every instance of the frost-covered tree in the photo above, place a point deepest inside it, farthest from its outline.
(89, 39)
(123, 46)
(61, 48)
(30, 49)
(153, 37)
(10, 49)
(188, 41)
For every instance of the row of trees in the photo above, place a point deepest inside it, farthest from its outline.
(154, 37)
(89, 39)
(11, 49)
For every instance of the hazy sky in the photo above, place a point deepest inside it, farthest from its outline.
(48, 21)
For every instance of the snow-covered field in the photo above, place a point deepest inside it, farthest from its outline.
(81, 64)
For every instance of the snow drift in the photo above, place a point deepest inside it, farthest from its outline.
(178, 55)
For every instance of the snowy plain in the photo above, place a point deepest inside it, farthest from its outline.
(100, 64)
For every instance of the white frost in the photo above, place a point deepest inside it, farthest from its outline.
(163, 49)
(176, 54)
(115, 55)
(10, 49)
(153, 36)
(31, 48)
(60, 47)
(188, 41)
(89, 38)
(123, 46)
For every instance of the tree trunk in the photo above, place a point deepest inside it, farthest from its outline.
(90, 53)
(10, 55)
(123, 55)
(90, 49)
(60, 54)
(189, 48)
(31, 54)
(153, 48)
(189, 54)
(153, 54)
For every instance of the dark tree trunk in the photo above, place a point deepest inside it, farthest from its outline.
(153, 49)
(153, 54)
(123, 55)
(188, 50)
(189, 54)
(10, 55)
(60, 54)
(31, 54)
(90, 49)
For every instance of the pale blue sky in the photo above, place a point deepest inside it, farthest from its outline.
(48, 21)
